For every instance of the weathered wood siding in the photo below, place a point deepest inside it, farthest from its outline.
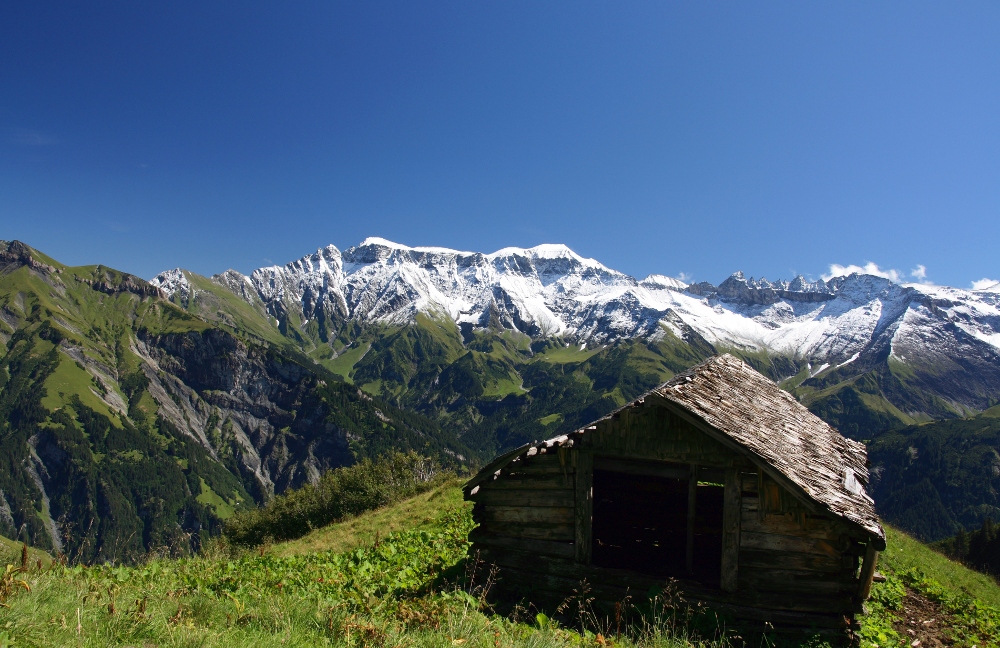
(791, 558)
(530, 508)
(652, 433)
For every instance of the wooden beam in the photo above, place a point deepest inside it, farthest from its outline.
(731, 516)
(692, 500)
(555, 532)
(641, 468)
(867, 572)
(584, 508)
(528, 545)
(670, 470)
(538, 498)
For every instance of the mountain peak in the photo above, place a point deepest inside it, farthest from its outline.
(549, 290)
(663, 281)
(379, 242)
(173, 282)
(549, 252)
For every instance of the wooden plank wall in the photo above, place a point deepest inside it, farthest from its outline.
(654, 434)
(530, 507)
(790, 558)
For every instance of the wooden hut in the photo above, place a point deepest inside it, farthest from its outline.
(718, 479)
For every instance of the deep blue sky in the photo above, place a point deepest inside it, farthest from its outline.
(669, 137)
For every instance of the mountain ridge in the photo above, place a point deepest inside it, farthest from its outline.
(839, 328)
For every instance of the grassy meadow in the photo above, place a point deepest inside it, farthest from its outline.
(397, 576)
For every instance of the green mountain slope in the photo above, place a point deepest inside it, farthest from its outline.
(937, 478)
(259, 394)
(129, 425)
(494, 388)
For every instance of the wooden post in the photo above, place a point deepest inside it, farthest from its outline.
(867, 572)
(692, 500)
(731, 515)
(584, 505)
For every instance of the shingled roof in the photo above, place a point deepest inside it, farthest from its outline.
(749, 413)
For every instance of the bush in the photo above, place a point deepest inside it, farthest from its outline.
(338, 494)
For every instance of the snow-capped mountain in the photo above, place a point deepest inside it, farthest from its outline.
(549, 290)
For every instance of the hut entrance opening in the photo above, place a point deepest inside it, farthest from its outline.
(662, 526)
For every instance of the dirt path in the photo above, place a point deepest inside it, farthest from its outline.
(923, 623)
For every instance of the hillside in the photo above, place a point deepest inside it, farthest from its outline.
(129, 425)
(937, 478)
(522, 344)
(382, 579)
(929, 599)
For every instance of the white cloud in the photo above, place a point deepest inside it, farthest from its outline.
(919, 274)
(837, 270)
(985, 284)
(685, 277)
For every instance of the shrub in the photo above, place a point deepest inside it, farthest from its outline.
(340, 493)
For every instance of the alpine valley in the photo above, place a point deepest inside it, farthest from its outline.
(135, 416)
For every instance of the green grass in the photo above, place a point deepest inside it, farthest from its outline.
(344, 363)
(373, 388)
(510, 384)
(879, 403)
(904, 553)
(382, 579)
(209, 497)
(217, 303)
(405, 589)
(550, 419)
(567, 354)
(68, 380)
(393, 577)
(970, 598)
(10, 553)
(444, 332)
(418, 512)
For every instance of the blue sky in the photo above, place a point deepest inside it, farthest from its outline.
(696, 138)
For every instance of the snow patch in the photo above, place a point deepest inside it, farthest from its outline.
(173, 281)
(854, 357)
(655, 281)
(818, 370)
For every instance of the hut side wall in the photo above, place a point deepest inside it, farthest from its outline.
(791, 558)
(527, 529)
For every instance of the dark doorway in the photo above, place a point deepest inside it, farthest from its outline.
(640, 523)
